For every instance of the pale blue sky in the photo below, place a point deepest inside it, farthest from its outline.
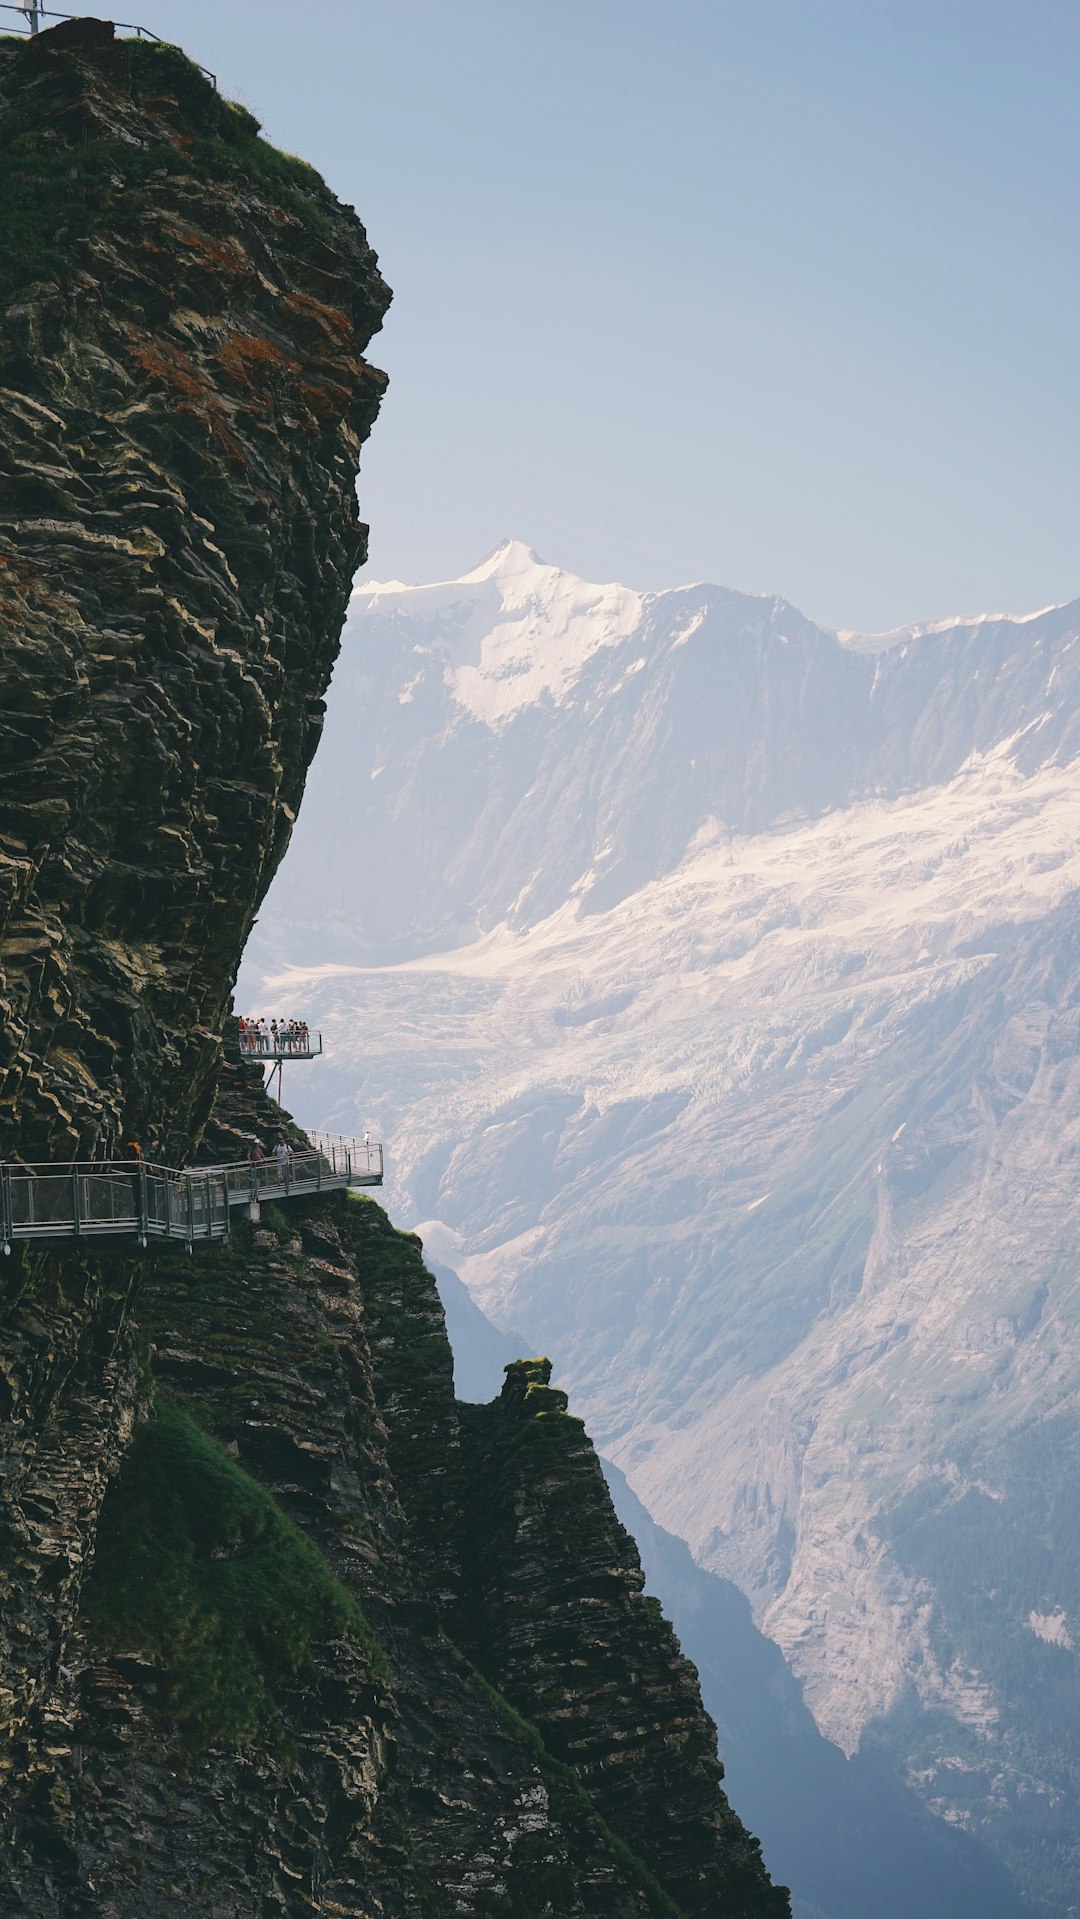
(779, 293)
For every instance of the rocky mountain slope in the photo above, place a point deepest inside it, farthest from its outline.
(272, 1637)
(347, 1646)
(727, 1044)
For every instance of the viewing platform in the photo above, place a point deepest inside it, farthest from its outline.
(116, 1205)
(276, 1041)
(280, 1046)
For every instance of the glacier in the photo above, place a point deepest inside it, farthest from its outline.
(715, 979)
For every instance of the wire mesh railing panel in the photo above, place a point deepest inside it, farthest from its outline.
(108, 1199)
(307, 1169)
(42, 1200)
(241, 1180)
(356, 1159)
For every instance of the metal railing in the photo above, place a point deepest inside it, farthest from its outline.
(280, 1046)
(362, 1157)
(331, 1164)
(122, 1200)
(31, 15)
(96, 1200)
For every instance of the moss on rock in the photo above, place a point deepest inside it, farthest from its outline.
(200, 1572)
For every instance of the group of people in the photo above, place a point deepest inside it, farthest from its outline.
(279, 1036)
(280, 1154)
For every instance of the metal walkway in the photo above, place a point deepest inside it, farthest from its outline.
(117, 1204)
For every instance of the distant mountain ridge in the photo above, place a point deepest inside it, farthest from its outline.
(505, 742)
(716, 980)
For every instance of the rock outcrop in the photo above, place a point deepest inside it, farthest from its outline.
(257, 1654)
(183, 395)
(559, 1621)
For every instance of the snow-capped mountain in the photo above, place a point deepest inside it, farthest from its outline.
(716, 982)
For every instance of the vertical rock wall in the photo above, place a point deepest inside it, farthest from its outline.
(557, 1618)
(183, 397)
(183, 318)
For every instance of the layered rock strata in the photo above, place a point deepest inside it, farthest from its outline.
(514, 1726)
(183, 395)
(183, 320)
(559, 1621)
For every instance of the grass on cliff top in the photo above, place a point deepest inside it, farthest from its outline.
(54, 196)
(198, 1570)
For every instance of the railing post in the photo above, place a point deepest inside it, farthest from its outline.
(7, 1212)
(190, 1208)
(76, 1222)
(168, 1208)
(144, 1222)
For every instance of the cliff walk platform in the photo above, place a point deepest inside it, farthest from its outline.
(301, 1044)
(118, 1205)
(277, 1041)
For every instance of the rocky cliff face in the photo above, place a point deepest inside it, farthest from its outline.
(246, 1665)
(559, 1620)
(450, 1695)
(183, 322)
(183, 316)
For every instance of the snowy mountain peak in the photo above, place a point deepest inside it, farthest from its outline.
(509, 633)
(511, 559)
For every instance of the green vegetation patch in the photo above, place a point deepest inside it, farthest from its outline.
(198, 1570)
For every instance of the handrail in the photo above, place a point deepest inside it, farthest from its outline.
(362, 1155)
(111, 1199)
(266, 1046)
(122, 26)
(139, 1200)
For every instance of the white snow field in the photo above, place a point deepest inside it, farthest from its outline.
(715, 983)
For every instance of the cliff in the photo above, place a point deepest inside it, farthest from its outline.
(184, 318)
(285, 1629)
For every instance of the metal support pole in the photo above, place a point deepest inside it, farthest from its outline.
(190, 1210)
(144, 1221)
(77, 1223)
(7, 1218)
